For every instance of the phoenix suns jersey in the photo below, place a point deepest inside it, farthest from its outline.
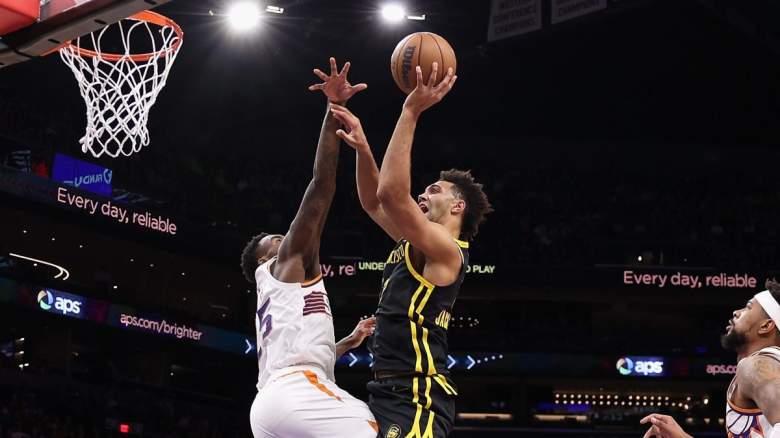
(293, 324)
(748, 423)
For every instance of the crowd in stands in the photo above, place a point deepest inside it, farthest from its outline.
(704, 207)
(42, 405)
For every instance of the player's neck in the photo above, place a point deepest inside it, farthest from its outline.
(754, 347)
(453, 227)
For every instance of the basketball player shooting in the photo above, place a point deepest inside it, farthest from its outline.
(412, 394)
(753, 398)
(297, 396)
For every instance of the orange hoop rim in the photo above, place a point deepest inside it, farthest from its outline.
(147, 16)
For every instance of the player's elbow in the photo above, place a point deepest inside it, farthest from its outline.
(388, 195)
(370, 206)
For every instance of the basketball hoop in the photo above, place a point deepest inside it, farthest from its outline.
(120, 88)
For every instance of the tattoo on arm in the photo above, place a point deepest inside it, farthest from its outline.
(764, 386)
(303, 239)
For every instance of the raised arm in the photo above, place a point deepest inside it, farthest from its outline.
(299, 252)
(395, 177)
(366, 170)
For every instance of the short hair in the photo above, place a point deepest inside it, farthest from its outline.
(774, 288)
(249, 257)
(477, 203)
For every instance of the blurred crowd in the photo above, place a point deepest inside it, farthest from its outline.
(581, 205)
(36, 405)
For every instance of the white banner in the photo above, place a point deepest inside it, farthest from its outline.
(562, 10)
(514, 17)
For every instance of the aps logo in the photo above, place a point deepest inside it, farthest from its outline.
(625, 366)
(640, 366)
(47, 300)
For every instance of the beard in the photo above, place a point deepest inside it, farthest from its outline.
(733, 340)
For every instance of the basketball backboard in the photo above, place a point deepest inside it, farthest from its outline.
(62, 20)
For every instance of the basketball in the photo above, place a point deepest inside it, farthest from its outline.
(423, 49)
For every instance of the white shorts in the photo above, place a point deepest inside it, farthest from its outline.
(303, 403)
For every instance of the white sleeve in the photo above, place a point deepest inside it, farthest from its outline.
(775, 432)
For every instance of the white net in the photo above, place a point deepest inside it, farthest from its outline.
(120, 89)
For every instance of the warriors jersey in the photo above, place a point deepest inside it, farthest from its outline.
(293, 324)
(748, 423)
(413, 316)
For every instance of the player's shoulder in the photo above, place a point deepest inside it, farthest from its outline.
(756, 369)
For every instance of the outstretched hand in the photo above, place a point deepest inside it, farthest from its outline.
(352, 132)
(425, 95)
(363, 329)
(663, 426)
(336, 86)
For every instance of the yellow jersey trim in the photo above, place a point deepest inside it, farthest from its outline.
(413, 327)
(411, 269)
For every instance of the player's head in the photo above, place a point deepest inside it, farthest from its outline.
(752, 324)
(456, 198)
(258, 250)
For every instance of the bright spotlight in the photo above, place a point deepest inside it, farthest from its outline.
(393, 12)
(243, 15)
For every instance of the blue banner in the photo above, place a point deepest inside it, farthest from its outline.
(86, 176)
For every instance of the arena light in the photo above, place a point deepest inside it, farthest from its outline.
(243, 15)
(62, 271)
(393, 12)
(274, 9)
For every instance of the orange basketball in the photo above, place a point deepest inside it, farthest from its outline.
(423, 49)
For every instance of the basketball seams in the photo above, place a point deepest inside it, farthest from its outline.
(403, 59)
(419, 56)
(441, 59)
(396, 61)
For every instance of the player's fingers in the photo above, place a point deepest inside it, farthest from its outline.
(333, 69)
(451, 83)
(418, 70)
(345, 118)
(652, 432)
(341, 108)
(345, 70)
(447, 79)
(661, 419)
(316, 87)
(648, 418)
(350, 141)
(359, 87)
(434, 74)
(339, 117)
(320, 74)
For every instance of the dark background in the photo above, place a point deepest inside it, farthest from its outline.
(645, 130)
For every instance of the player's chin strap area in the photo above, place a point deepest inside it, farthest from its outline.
(772, 308)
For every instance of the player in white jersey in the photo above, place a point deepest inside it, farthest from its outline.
(753, 397)
(297, 396)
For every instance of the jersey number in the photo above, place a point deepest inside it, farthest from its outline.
(266, 322)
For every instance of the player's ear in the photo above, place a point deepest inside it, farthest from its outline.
(459, 206)
(767, 326)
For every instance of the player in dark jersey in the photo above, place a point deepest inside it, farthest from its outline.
(412, 394)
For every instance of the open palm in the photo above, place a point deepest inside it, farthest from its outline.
(336, 86)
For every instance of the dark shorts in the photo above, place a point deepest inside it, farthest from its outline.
(422, 405)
